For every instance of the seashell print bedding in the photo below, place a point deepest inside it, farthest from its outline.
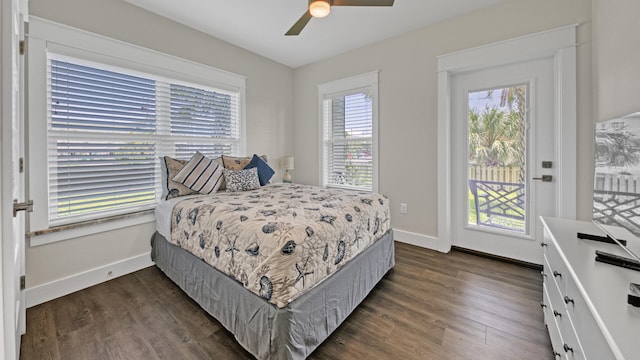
(280, 240)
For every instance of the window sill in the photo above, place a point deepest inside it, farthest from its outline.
(72, 231)
(347, 187)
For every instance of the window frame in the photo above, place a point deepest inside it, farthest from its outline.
(346, 86)
(49, 37)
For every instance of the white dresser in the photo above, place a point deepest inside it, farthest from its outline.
(584, 301)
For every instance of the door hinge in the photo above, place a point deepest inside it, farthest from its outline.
(21, 165)
(23, 282)
(25, 206)
(21, 47)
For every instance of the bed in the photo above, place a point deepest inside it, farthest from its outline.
(280, 266)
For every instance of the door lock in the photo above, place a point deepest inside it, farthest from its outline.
(544, 178)
(24, 206)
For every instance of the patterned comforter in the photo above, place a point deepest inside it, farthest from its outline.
(280, 240)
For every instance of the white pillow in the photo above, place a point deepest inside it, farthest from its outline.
(242, 180)
(200, 174)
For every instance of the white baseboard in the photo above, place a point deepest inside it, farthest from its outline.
(42, 293)
(425, 241)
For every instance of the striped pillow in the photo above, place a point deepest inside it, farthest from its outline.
(200, 174)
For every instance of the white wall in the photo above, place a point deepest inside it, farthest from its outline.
(408, 100)
(269, 116)
(616, 56)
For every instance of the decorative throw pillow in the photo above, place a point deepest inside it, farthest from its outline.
(200, 174)
(236, 163)
(242, 180)
(163, 177)
(265, 172)
(174, 188)
(218, 161)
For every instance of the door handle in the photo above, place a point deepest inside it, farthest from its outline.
(24, 206)
(544, 178)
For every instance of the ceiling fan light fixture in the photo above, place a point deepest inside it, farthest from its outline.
(319, 8)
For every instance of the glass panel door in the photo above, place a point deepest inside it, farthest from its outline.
(503, 135)
(496, 158)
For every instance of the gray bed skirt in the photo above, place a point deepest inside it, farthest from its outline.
(264, 330)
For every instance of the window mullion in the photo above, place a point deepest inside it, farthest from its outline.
(163, 119)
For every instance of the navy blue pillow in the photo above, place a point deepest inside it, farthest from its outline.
(265, 172)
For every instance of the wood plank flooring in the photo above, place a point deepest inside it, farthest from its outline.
(430, 306)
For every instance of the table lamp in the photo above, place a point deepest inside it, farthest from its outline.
(286, 163)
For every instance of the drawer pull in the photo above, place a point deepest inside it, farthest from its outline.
(556, 313)
(543, 244)
(556, 274)
(567, 348)
(556, 354)
(568, 300)
(543, 305)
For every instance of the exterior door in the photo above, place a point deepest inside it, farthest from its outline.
(503, 131)
(12, 179)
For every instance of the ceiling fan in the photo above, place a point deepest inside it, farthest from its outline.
(321, 8)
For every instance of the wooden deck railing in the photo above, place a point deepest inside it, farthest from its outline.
(499, 204)
(617, 183)
(510, 174)
(617, 208)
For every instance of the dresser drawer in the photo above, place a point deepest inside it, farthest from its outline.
(557, 269)
(589, 333)
(552, 325)
(554, 292)
(570, 346)
(566, 342)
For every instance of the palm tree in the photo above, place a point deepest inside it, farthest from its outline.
(616, 148)
(494, 137)
(514, 98)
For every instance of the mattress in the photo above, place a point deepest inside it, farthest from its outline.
(163, 214)
(266, 331)
(281, 240)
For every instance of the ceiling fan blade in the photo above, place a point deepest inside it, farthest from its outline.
(300, 24)
(363, 2)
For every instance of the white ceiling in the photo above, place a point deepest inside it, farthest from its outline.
(259, 25)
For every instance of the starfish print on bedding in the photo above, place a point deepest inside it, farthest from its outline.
(302, 272)
(356, 240)
(232, 247)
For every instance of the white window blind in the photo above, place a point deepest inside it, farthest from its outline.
(108, 126)
(203, 120)
(349, 122)
(348, 140)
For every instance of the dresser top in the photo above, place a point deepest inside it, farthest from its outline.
(604, 287)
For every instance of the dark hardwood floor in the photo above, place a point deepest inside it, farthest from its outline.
(430, 306)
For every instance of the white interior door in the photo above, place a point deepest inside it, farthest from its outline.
(12, 178)
(502, 132)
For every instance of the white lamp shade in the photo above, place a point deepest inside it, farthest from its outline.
(287, 163)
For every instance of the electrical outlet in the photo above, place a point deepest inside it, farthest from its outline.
(403, 208)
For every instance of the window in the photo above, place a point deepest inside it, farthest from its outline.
(107, 126)
(349, 132)
(101, 113)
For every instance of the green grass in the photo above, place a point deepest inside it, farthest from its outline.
(495, 220)
(101, 202)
